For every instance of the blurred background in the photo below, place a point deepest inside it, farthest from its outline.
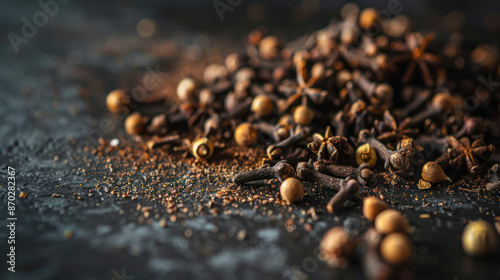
(54, 78)
(95, 46)
(115, 18)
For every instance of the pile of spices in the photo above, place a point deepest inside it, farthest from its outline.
(363, 98)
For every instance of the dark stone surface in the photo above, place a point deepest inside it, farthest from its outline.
(41, 113)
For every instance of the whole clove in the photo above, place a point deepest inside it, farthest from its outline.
(156, 143)
(393, 99)
(363, 173)
(280, 171)
(395, 161)
(347, 188)
(494, 178)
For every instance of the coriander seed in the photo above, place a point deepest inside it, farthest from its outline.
(373, 206)
(389, 221)
(233, 62)
(479, 239)
(269, 47)
(366, 154)
(382, 95)
(303, 115)
(186, 89)
(117, 101)
(292, 190)
(214, 72)
(202, 149)
(396, 248)
(368, 18)
(245, 134)
(337, 247)
(135, 124)
(262, 105)
(245, 74)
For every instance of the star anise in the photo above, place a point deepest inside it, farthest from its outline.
(331, 149)
(306, 89)
(464, 155)
(414, 52)
(390, 132)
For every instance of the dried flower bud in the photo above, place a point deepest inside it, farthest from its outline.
(282, 133)
(433, 173)
(158, 124)
(494, 178)
(262, 105)
(279, 73)
(367, 174)
(391, 221)
(303, 115)
(371, 49)
(343, 76)
(214, 72)
(382, 41)
(292, 190)
(373, 206)
(317, 69)
(348, 35)
(231, 101)
(301, 55)
(211, 124)
(269, 47)
(245, 73)
(382, 61)
(486, 56)
(399, 161)
(366, 154)
(337, 247)
(286, 121)
(408, 144)
(398, 26)
(357, 107)
(368, 18)
(117, 101)
(233, 62)
(241, 87)
(479, 239)
(245, 134)
(442, 100)
(135, 124)
(186, 89)
(202, 148)
(255, 36)
(382, 95)
(325, 42)
(206, 96)
(396, 249)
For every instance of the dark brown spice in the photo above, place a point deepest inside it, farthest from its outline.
(280, 171)
(347, 188)
(395, 161)
(494, 178)
(363, 174)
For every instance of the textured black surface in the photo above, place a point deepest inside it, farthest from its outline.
(41, 113)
